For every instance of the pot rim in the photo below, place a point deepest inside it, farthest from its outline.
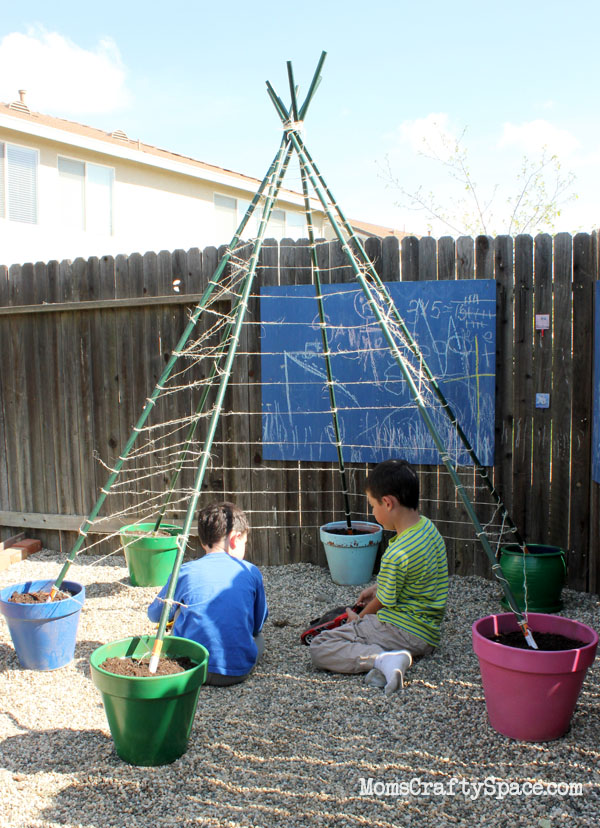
(339, 524)
(530, 660)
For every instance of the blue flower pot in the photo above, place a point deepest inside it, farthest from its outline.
(43, 634)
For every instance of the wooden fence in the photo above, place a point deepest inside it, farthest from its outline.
(82, 344)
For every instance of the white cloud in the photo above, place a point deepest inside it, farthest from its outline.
(60, 76)
(431, 135)
(534, 136)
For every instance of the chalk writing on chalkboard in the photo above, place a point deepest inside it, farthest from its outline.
(454, 324)
(596, 422)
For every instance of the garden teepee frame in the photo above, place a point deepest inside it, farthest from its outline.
(395, 332)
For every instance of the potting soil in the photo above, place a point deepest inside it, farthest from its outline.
(545, 641)
(135, 667)
(37, 597)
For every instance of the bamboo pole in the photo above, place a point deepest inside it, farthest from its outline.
(326, 203)
(84, 528)
(414, 347)
(242, 306)
(326, 352)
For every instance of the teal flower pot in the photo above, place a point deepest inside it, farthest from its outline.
(351, 558)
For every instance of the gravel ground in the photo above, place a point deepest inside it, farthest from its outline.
(290, 746)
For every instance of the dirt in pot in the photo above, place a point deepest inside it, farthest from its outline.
(135, 667)
(37, 597)
(345, 531)
(545, 641)
(159, 533)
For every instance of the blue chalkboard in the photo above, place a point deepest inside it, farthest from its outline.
(596, 423)
(454, 323)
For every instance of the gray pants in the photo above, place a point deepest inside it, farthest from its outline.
(353, 647)
(219, 680)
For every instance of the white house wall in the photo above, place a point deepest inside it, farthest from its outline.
(153, 208)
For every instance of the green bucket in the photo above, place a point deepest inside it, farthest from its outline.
(538, 576)
(150, 559)
(150, 717)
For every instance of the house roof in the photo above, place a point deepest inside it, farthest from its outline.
(377, 230)
(114, 140)
(117, 143)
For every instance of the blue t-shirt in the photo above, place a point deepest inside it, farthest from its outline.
(224, 608)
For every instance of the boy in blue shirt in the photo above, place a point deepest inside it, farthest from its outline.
(402, 613)
(220, 597)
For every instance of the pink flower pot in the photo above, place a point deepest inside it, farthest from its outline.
(531, 694)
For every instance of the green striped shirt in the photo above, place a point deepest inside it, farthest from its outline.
(412, 583)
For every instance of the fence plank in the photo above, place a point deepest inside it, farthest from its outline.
(427, 259)
(464, 532)
(4, 433)
(583, 303)
(268, 498)
(410, 259)
(448, 515)
(523, 381)
(539, 519)
(484, 257)
(594, 520)
(390, 258)
(505, 415)
(414, 252)
(562, 391)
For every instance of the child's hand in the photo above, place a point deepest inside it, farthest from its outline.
(352, 616)
(367, 595)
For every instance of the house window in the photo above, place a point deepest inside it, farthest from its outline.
(86, 196)
(230, 212)
(226, 218)
(18, 183)
(276, 225)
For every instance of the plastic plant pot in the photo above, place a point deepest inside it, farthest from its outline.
(539, 575)
(530, 694)
(351, 558)
(150, 717)
(44, 634)
(150, 559)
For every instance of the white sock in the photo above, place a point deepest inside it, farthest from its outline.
(393, 665)
(375, 678)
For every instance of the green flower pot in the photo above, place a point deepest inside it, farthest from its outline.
(150, 559)
(150, 717)
(539, 576)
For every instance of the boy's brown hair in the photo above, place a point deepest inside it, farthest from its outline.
(396, 478)
(216, 521)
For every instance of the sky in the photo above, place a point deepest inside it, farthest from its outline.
(516, 83)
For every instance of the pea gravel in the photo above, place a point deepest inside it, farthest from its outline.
(290, 746)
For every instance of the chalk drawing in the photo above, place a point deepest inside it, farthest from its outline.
(454, 323)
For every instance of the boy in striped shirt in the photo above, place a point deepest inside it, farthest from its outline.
(402, 613)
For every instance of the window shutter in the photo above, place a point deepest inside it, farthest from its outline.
(22, 184)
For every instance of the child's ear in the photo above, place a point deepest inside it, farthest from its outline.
(234, 539)
(389, 502)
